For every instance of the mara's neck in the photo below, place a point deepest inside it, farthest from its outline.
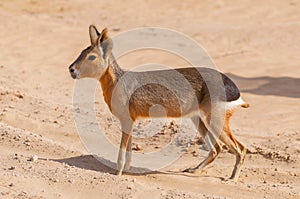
(109, 79)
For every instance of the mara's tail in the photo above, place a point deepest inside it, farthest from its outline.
(245, 105)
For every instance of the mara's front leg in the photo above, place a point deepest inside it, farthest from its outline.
(128, 154)
(125, 141)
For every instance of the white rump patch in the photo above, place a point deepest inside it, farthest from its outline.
(234, 104)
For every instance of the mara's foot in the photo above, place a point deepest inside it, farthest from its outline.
(193, 170)
(228, 180)
(119, 173)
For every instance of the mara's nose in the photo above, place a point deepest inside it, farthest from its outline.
(71, 70)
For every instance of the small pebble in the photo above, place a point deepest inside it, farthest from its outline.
(55, 180)
(137, 147)
(129, 187)
(33, 158)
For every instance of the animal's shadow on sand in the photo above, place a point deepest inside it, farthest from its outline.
(89, 162)
(95, 163)
(265, 85)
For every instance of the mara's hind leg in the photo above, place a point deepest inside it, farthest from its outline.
(201, 128)
(211, 141)
(128, 154)
(235, 146)
(214, 152)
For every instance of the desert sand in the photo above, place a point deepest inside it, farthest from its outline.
(256, 43)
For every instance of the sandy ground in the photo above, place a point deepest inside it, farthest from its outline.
(256, 43)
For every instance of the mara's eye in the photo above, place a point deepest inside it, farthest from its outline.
(92, 57)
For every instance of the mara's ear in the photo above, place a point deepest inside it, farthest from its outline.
(94, 35)
(105, 43)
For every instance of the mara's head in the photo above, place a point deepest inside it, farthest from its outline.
(93, 60)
